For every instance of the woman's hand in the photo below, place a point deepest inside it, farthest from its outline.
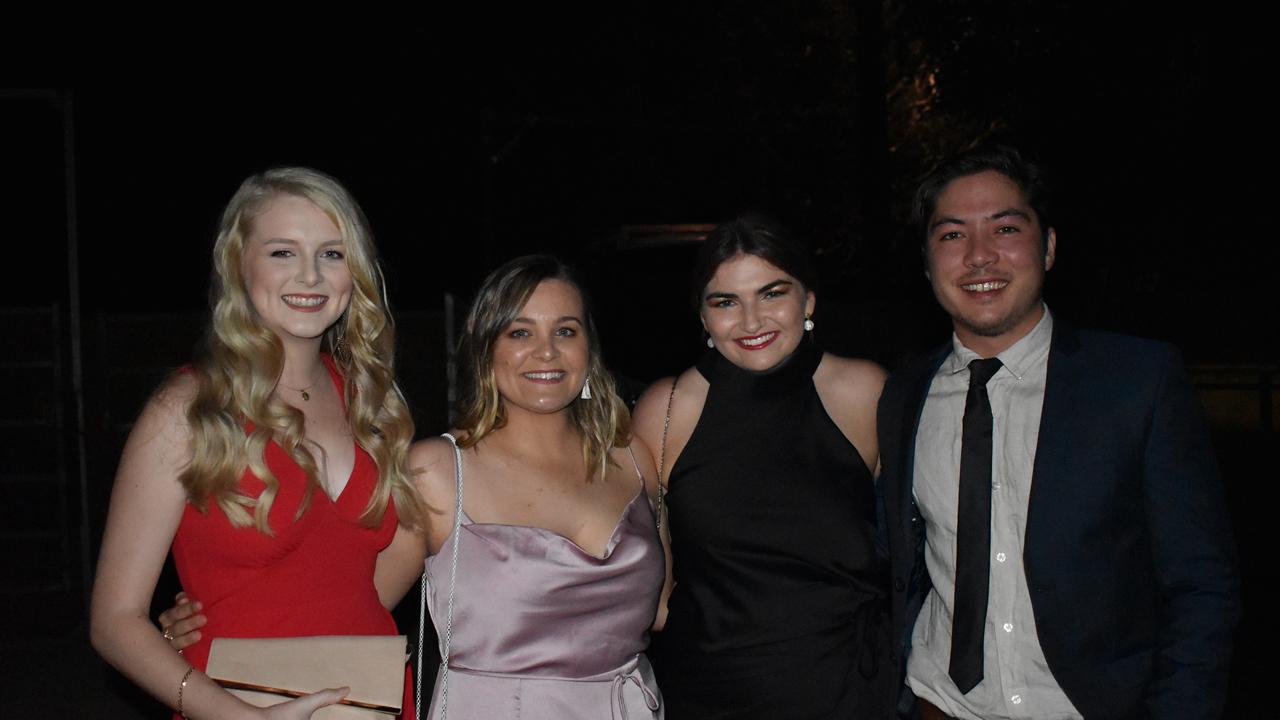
(302, 708)
(180, 624)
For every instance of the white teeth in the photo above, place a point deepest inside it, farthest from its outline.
(544, 375)
(304, 301)
(757, 341)
(986, 286)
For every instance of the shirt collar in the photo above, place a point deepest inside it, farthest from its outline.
(1017, 358)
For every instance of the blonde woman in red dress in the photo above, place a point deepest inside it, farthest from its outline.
(274, 465)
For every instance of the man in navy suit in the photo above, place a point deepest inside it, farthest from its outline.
(1054, 515)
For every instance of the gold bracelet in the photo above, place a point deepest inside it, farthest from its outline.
(183, 686)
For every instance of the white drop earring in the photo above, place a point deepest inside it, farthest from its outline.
(586, 390)
(710, 343)
(808, 324)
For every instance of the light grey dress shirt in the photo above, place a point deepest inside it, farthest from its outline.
(1016, 679)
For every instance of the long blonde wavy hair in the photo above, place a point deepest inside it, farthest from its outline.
(602, 420)
(241, 364)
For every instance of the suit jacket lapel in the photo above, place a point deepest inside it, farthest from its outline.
(917, 393)
(1057, 436)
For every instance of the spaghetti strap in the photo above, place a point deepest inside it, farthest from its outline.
(636, 465)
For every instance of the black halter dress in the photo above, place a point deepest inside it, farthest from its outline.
(779, 587)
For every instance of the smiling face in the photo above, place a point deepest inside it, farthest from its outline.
(295, 270)
(987, 256)
(540, 360)
(754, 312)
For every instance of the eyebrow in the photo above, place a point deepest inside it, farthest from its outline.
(1011, 212)
(944, 221)
(734, 296)
(1000, 215)
(291, 241)
(562, 318)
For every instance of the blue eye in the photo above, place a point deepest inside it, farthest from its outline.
(333, 254)
(518, 333)
(566, 332)
(281, 253)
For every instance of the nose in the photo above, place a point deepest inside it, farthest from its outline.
(309, 271)
(546, 349)
(980, 253)
(751, 317)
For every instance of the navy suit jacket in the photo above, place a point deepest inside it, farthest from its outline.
(1128, 551)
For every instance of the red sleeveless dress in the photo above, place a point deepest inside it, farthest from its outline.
(312, 576)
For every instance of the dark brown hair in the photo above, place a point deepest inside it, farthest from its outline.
(752, 234)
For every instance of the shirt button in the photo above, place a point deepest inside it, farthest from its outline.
(1000, 557)
(1017, 699)
(995, 485)
(1008, 627)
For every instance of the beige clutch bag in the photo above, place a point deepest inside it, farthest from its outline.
(266, 671)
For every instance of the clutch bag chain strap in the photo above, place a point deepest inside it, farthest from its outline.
(662, 455)
(453, 581)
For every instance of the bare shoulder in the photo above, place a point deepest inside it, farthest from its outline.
(643, 455)
(172, 399)
(690, 386)
(653, 402)
(157, 451)
(162, 433)
(850, 391)
(650, 417)
(639, 447)
(651, 410)
(692, 381)
(431, 466)
(850, 380)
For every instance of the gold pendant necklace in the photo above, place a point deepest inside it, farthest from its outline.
(306, 396)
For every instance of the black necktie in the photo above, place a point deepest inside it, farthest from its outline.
(973, 532)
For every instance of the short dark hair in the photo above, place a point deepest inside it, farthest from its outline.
(1027, 175)
(753, 234)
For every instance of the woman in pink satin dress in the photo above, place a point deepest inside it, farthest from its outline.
(544, 505)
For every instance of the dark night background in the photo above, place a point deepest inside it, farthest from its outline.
(473, 136)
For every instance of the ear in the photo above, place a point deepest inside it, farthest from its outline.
(1050, 248)
(809, 301)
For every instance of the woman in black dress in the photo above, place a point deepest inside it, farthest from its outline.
(767, 449)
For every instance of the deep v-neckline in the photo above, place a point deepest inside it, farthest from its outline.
(355, 465)
(612, 542)
(332, 371)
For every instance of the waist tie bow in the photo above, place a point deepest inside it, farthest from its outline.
(618, 702)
